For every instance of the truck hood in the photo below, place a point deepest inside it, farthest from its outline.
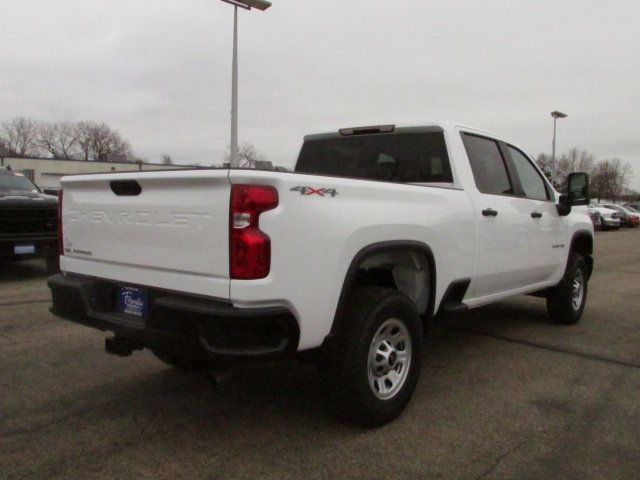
(26, 199)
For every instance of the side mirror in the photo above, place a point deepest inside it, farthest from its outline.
(577, 193)
(50, 191)
(578, 188)
(563, 206)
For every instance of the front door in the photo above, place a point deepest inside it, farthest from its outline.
(548, 228)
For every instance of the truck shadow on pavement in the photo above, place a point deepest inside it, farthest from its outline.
(258, 397)
(115, 409)
(22, 270)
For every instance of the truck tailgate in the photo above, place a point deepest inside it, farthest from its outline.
(162, 229)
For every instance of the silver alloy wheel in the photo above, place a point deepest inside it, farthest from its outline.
(389, 358)
(577, 290)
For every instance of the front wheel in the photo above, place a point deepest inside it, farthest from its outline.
(371, 367)
(566, 301)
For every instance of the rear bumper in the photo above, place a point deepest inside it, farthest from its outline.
(202, 328)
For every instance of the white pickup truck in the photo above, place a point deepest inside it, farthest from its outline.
(348, 257)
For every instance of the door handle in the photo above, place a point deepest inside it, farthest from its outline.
(536, 215)
(489, 212)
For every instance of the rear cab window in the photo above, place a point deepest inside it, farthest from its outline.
(406, 157)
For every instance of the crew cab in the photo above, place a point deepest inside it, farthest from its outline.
(28, 220)
(345, 260)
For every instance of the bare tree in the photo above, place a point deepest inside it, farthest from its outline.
(248, 155)
(109, 146)
(623, 177)
(4, 150)
(99, 142)
(83, 133)
(631, 195)
(544, 162)
(58, 139)
(574, 160)
(166, 159)
(20, 135)
(610, 179)
(47, 138)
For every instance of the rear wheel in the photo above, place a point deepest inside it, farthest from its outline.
(371, 368)
(566, 301)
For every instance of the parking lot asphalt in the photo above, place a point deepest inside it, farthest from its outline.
(503, 394)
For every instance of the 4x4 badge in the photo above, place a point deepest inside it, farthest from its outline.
(315, 191)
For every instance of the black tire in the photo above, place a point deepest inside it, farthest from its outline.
(53, 264)
(345, 359)
(561, 306)
(181, 361)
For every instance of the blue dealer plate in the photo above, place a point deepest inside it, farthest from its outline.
(133, 301)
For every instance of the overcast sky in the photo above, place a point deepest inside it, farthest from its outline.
(160, 71)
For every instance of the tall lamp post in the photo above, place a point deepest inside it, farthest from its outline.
(247, 5)
(556, 115)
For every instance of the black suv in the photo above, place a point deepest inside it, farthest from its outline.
(28, 220)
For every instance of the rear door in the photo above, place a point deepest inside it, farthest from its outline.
(502, 220)
(163, 229)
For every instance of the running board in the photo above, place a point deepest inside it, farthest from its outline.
(454, 307)
(452, 298)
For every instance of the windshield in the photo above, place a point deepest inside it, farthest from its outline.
(10, 180)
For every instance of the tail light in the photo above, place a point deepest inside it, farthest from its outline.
(60, 239)
(249, 248)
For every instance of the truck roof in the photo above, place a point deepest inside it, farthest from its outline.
(436, 126)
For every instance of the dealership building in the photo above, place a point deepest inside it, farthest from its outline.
(46, 172)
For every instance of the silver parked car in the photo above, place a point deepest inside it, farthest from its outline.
(609, 219)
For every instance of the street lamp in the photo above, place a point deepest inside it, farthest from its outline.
(247, 5)
(556, 115)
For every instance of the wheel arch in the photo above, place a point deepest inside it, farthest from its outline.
(387, 247)
(582, 243)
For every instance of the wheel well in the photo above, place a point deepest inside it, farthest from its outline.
(407, 267)
(582, 243)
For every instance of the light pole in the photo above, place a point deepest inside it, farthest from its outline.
(556, 115)
(247, 5)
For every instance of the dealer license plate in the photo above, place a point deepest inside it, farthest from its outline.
(133, 301)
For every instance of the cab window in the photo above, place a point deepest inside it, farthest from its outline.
(488, 165)
(531, 181)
